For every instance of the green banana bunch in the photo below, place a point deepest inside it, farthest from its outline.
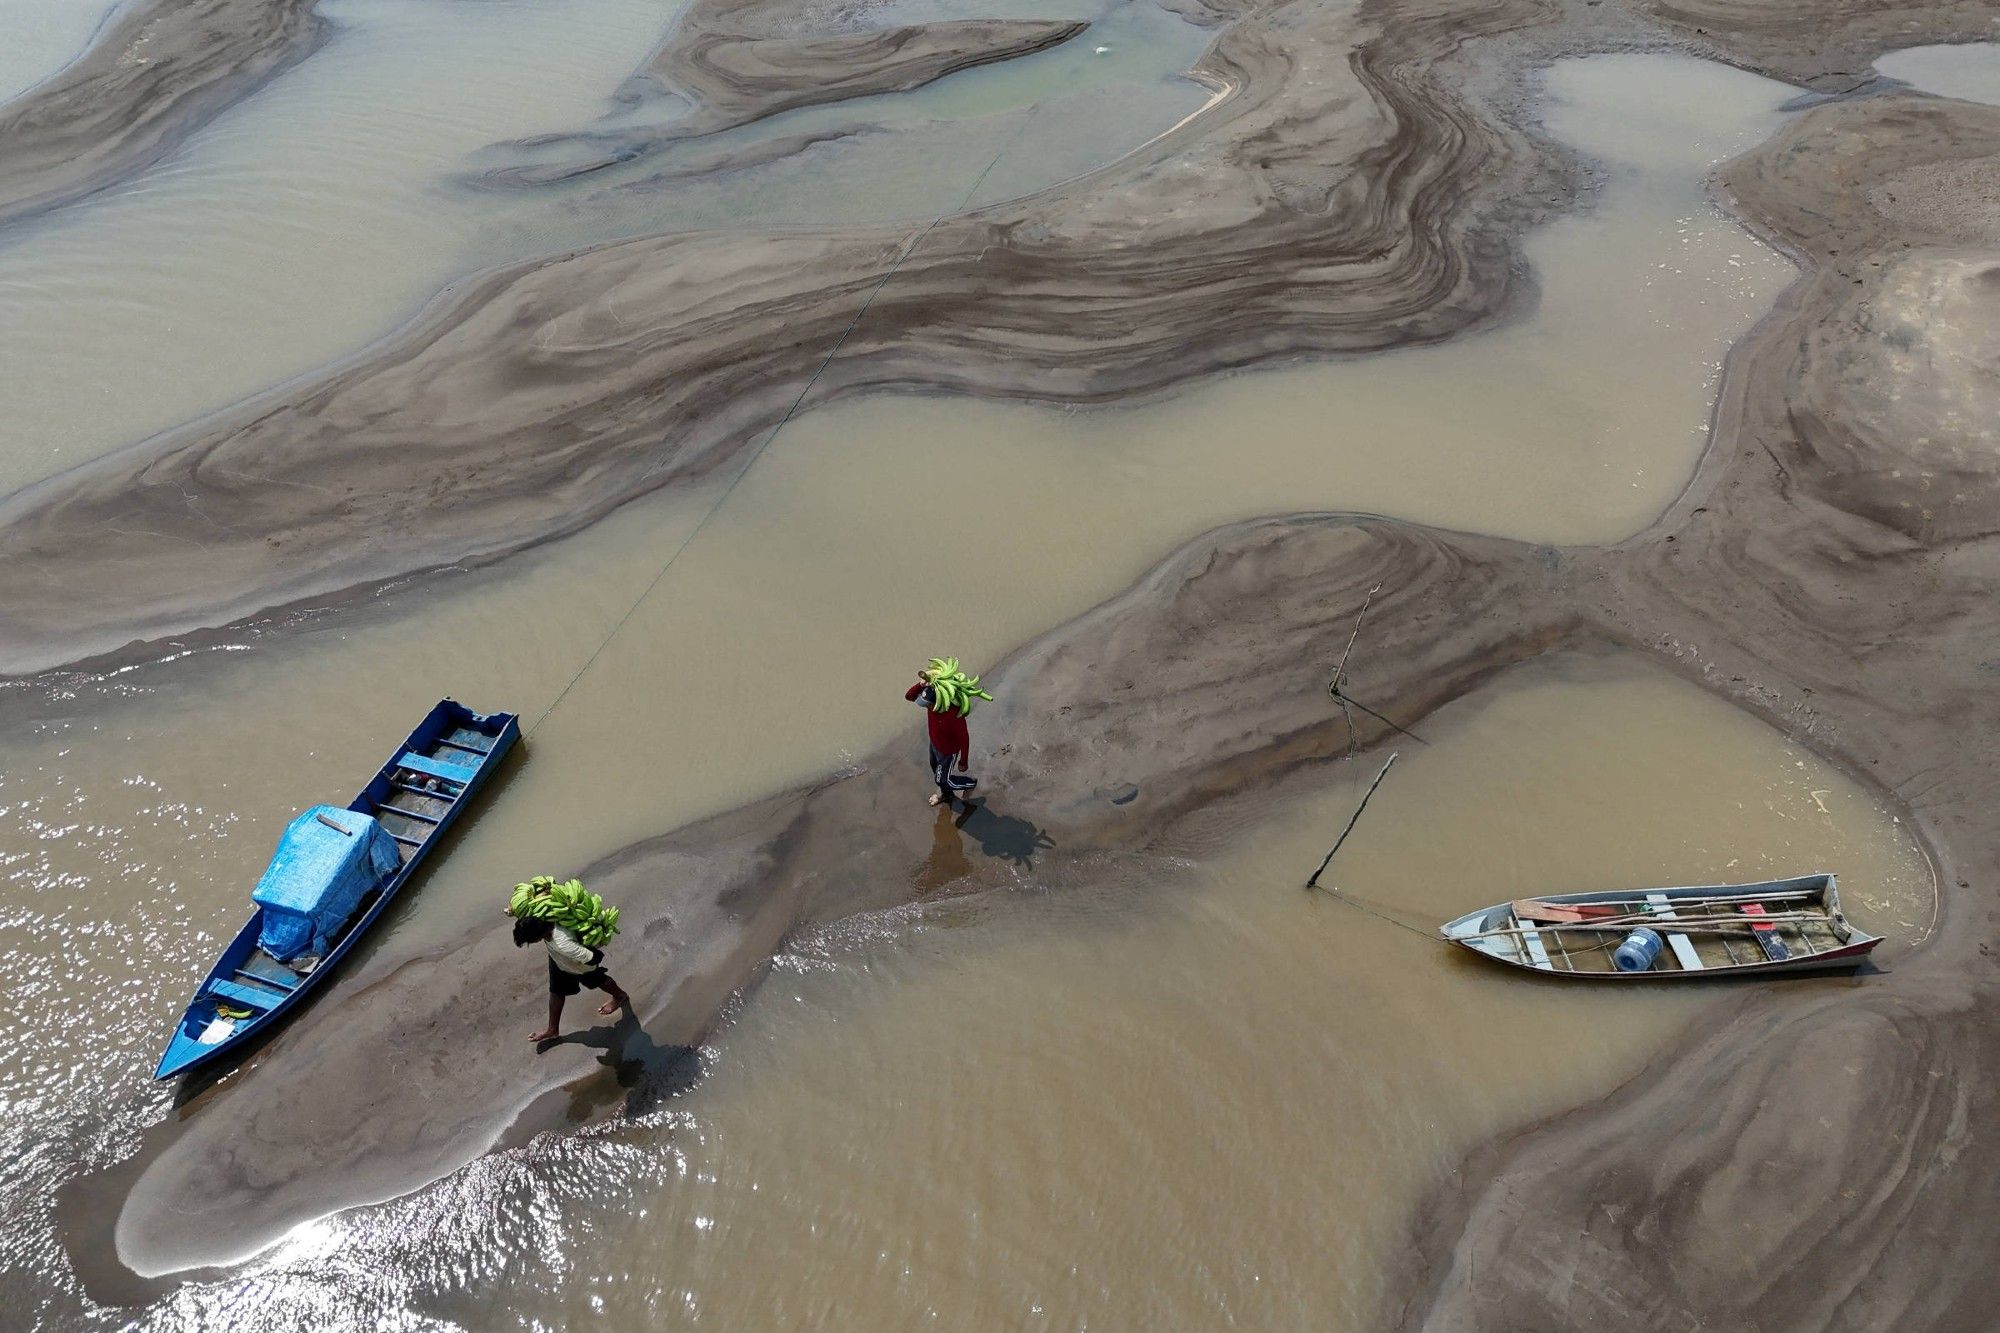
(524, 894)
(952, 691)
(569, 905)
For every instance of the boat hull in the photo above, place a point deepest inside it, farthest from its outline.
(1537, 943)
(243, 978)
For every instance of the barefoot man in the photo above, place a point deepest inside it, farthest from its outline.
(572, 966)
(948, 696)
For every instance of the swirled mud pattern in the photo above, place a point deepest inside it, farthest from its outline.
(1333, 204)
(736, 77)
(1829, 568)
(158, 73)
(1203, 680)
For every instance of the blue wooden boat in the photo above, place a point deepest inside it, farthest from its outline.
(334, 874)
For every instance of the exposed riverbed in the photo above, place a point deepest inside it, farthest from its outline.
(902, 1119)
(1577, 421)
(1177, 1088)
(1059, 511)
(324, 210)
(42, 38)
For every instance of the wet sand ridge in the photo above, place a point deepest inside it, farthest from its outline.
(1206, 680)
(1825, 570)
(534, 399)
(162, 70)
(739, 65)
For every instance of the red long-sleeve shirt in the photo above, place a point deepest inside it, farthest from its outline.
(948, 733)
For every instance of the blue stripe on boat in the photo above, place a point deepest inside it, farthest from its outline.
(446, 728)
(438, 768)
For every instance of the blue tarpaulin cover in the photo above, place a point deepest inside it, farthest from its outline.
(318, 876)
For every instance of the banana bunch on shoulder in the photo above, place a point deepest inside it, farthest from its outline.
(567, 904)
(523, 903)
(952, 691)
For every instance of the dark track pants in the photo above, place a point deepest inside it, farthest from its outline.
(949, 784)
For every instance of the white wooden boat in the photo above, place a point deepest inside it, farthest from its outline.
(1780, 925)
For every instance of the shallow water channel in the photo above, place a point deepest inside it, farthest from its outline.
(1970, 71)
(1074, 1102)
(1060, 510)
(43, 37)
(1181, 1091)
(325, 209)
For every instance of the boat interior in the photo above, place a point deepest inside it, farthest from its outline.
(412, 797)
(1778, 925)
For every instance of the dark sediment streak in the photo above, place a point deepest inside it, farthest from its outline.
(741, 74)
(738, 76)
(1335, 204)
(1768, 582)
(1812, 1159)
(1188, 685)
(1830, 569)
(159, 71)
(722, 161)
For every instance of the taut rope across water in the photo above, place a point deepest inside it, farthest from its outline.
(750, 459)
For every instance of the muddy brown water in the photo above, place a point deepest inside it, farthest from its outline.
(1970, 72)
(1184, 1092)
(827, 540)
(1102, 1065)
(327, 208)
(43, 37)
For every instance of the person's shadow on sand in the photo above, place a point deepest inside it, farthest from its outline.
(1005, 837)
(647, 1071)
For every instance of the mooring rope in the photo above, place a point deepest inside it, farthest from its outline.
(757, 452)
(1429, 935)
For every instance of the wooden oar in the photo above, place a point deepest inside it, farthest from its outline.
(1673, 928)
(1626, 898)
(1653, 918)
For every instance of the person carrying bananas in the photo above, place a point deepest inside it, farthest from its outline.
(948, 696)
(572, 966)
(570, 923)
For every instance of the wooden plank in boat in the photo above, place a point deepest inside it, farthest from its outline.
(1534, 909)
(1682, 946)
(1531, 940)
(1766, 935)
(254, 996)
(437, 768)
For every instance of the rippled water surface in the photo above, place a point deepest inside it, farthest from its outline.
(38, 38)
(324, 210)
(1970, 72)
(1161, 1092)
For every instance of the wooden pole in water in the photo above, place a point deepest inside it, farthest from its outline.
(1341, 669)
(1343, 698)
(1313, 882)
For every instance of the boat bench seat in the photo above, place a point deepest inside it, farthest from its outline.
(436, 768)
(1531, 939)
(255, 996)
(1683, 947)
(264, 970)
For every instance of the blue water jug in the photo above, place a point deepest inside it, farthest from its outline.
(1638, 950)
